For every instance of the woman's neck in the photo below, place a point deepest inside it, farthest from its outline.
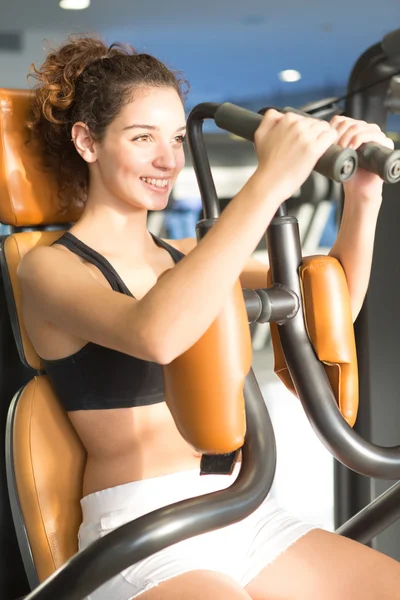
(112, 230)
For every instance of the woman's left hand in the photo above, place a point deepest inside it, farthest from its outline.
(352, 134)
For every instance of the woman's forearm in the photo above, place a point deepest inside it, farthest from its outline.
(354, 245)
(202, 280)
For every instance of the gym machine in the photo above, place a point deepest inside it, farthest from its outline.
(283, 305)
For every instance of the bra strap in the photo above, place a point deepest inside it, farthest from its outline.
(81, 249)
(176, 255)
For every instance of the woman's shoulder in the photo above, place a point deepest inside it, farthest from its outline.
(41, 260)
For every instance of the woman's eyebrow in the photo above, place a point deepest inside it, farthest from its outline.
(151, 127)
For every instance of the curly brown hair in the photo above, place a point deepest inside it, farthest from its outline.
(85, 80)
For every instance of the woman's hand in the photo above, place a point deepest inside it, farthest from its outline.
(288, 147)
(352, 134)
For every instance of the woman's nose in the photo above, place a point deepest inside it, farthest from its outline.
(166, 157)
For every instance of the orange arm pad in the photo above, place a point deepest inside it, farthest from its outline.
(330, 329)
(204, 386)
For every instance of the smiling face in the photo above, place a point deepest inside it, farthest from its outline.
(141, 154)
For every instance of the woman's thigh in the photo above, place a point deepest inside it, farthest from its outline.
(197, 585)
(322, 565)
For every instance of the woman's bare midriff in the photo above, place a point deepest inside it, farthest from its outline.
(130, 444)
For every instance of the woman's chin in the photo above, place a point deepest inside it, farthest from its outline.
(158, 203)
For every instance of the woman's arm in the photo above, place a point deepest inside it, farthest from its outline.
(363, 197)
(184, 302)
(354, 246)
(253, 276)
(355, 241)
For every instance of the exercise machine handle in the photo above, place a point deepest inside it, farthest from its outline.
(380, 160)
(338, 164)
(373, 157)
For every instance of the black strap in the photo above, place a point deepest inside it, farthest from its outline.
(218, 464)
(176, 255)
(84, 251)
(81, 249)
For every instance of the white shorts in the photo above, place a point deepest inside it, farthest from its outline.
(240, 550)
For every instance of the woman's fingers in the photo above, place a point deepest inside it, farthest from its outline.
(353, 133)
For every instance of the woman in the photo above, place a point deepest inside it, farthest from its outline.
(111, 124)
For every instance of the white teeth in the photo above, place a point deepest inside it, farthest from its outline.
(157, 182)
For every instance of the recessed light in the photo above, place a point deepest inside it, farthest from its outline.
(289, 75)
(74, 4)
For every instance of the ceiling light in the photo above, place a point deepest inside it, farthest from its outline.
(289, 75)
(74, 4)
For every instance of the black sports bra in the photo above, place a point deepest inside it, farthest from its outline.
(97, 377)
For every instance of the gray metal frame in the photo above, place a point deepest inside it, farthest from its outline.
(368, 90)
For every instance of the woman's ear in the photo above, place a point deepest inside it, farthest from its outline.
(83, 142)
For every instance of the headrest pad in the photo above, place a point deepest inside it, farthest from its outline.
(28, 191)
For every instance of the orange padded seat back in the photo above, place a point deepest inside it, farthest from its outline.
(14, 249)
(48, 457)
(28, 192)
(48, 461)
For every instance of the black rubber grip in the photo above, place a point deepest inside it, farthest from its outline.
(337, 163)
(372, 156)
(380, 160)
(237, 120)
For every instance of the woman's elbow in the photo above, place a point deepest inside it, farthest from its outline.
(161, 347)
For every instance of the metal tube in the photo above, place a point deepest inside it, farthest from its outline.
(270, 305)
(253, 305)
(374, 518)
(308, 374)
(200, 160)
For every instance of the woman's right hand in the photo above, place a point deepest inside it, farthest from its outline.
(288, 147)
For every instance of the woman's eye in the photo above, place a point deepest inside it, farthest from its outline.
(142, 138)
(180, 138)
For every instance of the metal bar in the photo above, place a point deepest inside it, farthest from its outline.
(308, 374)
(270, 304)
(201, 164)
(374, 518)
